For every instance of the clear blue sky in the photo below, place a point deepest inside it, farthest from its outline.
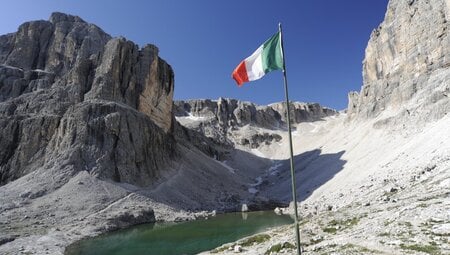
(204, 40)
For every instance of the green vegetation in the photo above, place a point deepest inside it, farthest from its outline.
(274, 248)
(430, 249)
(254, 239)
(384, 234)
(405, 223)
(220, 249)
(350, 249)
(387, 222)
(288, 245)
(278, 247)
(335, 225)
(350, 246)
(331, 230)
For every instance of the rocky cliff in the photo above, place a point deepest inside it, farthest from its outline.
(222, 119)
(232, 112)
(70, 95)
(406, 66)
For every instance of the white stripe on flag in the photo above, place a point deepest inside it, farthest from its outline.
(254, 65)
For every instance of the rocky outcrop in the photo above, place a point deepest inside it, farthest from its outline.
(232, 112)
(303, 112)
(70, 94)
(223, 120)
(407, 61)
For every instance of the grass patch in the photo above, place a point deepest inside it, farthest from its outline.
(349, 249)
(254, 239)
(220, 249)
(331, 230)
(335, 225)
(274, 248)
(430, 249)
(388, 222)
(278, 247)
(350, 246)
(406, 223)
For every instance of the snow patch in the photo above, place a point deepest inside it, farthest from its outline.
(224, 164)
(252, 190)
(191, 117)
(41, 71)
(273, 170)
(11, 67)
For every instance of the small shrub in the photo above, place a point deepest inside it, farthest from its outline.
(278, 247)
(331, 230)
(220, 249)
(274, 248)
(255, 239)
(430, 249)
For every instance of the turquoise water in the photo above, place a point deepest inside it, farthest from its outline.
(179, 238)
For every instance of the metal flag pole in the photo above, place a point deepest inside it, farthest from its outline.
(294, 190)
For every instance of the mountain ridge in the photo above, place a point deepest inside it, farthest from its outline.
(91, 129)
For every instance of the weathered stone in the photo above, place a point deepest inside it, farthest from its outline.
(69, 93)
(218, 119)
(232, 112)
(407, 60)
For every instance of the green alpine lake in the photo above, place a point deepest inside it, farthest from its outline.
(189, 237)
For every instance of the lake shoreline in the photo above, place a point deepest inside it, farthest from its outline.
(206, 233)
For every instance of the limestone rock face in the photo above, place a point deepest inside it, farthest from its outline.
(232, 112)
(70, 93)
(220, 118)
(407, 60)
(303, 112)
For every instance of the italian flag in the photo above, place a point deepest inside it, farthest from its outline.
(266, 58)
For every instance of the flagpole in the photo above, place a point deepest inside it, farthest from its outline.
(294, 190)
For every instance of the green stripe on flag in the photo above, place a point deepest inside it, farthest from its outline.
(272, 58)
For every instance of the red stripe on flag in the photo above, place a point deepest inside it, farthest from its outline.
(240, 74)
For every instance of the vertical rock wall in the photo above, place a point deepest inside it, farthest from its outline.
(408, 54)
(71, 94)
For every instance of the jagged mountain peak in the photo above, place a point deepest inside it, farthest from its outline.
(57, 17)
(78, 87)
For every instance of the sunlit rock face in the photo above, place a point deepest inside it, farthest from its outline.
(70, 95)
(225, 120)
(407, 62)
